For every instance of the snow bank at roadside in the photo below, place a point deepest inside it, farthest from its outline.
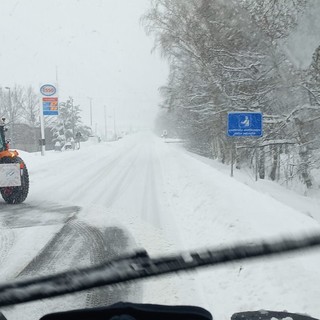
(212, 209)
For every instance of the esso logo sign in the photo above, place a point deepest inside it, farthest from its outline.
(48, 90)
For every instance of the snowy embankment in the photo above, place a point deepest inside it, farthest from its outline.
(169, 200)
(213, 209)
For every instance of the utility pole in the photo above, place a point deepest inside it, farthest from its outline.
(90, 112)
(73, 118)
(105, 124)
(57, 81)
(10, 112)
(114, 123)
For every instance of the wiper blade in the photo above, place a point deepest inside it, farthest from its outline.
(139, 266)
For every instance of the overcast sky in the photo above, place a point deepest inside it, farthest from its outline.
(98, 47)
(304, 40)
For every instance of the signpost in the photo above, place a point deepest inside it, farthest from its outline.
(49, 107)
(245, 124)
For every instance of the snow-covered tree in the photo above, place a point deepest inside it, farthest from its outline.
(30, 107)
(68, 122)
(224, 56)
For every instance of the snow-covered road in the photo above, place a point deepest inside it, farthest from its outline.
(143, 192)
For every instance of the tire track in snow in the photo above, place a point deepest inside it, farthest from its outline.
(120, 183)
(27, 215)
(111, 183)
(7, 239)
(48, 260)
(116, 244)
(150, 203)
(78, 244)
(33, 214)
(7, 236)
(92, 181)
(59, 254)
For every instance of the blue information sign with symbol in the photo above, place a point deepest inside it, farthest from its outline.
(245, 124)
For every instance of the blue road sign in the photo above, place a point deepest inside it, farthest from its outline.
(245, 124)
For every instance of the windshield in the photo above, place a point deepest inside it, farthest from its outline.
(164, 125)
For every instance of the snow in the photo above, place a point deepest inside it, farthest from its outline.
(171, 200)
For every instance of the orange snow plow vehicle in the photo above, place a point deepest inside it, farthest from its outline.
(14, 177)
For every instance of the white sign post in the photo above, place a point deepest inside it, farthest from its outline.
(42, 139)
(48, 107)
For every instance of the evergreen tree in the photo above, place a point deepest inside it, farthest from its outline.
(69, 122)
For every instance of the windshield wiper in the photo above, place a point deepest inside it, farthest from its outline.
(139, 266)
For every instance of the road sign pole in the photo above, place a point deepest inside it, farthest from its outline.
(257, 160)
(232, 160)
(42, 128)
(105, 124)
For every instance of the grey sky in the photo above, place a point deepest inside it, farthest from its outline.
(98, 46)
(303, 41)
